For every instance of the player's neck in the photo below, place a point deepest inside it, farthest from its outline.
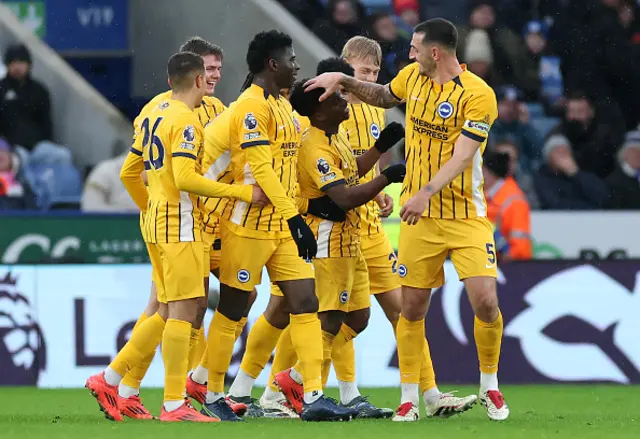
(446, 70)
(188, 99)
(268, 85)
(352, 99)
(325, 126)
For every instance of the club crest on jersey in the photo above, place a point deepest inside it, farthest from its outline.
(250, 121)
(323, 166)
(243, 276)
(445, 110)
(297, 124)
(402, 270)
(189, 133)
(374, 129)
(344, 297)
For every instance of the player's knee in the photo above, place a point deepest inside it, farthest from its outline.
(304, 304)
(392, 315)
(414, 305)
(358, 320)
(201, 311)
(331, 321)
(233, 302)
(485, 306)
(252, 299)
(277, 312)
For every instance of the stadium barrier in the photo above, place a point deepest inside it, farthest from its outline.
(87, 238)
(564, 322)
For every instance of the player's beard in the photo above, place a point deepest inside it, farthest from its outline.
(428, 68)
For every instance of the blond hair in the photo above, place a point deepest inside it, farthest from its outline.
(362, 48)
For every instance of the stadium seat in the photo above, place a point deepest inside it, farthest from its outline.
(56, 186)
(535, 109)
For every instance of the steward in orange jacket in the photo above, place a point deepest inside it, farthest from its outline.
(508, 209)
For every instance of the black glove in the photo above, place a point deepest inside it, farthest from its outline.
(394, 173)
(391, 135)
(303, 237)
(324, 207)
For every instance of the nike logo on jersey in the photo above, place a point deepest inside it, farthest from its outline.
(489, 266)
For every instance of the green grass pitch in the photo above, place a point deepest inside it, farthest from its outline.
(559, 412)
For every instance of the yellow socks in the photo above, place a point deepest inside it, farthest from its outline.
(488, 341)
(410, 349)
(427, 374)
(327, 348)
(141, 319)
(241, 324)
(142, 344)
(344, 355)
(306, 336)
(285, 356)
(263, 338)
(197, 346)
(175, 352)
(220, 341)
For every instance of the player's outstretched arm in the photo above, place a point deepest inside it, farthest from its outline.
(391, 135)
(131, 177)
(371, 93)
(349, 197)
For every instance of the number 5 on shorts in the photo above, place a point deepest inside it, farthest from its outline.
(491, 252)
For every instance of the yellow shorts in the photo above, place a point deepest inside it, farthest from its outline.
(211, 242)
(382, 262)
(424, 247)
(243, 258)
(181, 274)
(156, 268)
(275, 290)
(342, 284)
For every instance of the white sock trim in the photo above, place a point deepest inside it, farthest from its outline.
(410, 393)
(200, 375)
(126, 391)
(242, 384)
(348, 391)
(173, 405)
(213, 397)
(112, 377)
(311, 397)
(431, 396)
(295, 376)
(488, 381)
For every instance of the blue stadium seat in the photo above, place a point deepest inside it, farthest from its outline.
(544, 124)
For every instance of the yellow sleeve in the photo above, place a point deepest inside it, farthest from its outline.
(251, 119)
(302, 203)
(216, 140)
(185, 146)
(479, 113)
(398, 85)
(322, 166)
(131, 177)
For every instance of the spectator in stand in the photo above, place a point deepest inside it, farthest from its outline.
(25, 116)
(562, 185)
(513, 124)
(103, 190)
(383, 29)
(624, 182)
(523, 178)
(479, 57)
(543, 70)
(593, 136)
(507, 209)
(454, 11)
(408, 11)
(509, 56)
(345, 21)
(15, 191)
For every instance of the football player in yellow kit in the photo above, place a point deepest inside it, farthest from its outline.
(210, 107)
(449, 115)
(171, 144)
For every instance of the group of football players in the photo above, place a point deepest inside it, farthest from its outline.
(291, 177)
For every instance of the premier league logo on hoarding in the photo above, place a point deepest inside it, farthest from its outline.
(22, 346)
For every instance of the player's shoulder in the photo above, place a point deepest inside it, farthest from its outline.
(476, 86)
(213, 102)
(413, 67)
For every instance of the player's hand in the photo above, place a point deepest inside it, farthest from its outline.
(258, 197)
(303, 237)
(394, 173)
(415, 207)
(329, 81)
(324, 207)
(385, 202)
(391, 135)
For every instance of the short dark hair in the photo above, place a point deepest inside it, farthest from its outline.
(266, 46)
(440, 31)
(182, 68)
(202, 47)
(334, 64)
(579, 95)
(305, 103)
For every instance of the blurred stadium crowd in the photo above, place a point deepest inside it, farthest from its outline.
(565, 74)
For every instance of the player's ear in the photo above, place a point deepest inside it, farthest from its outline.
(273, 64)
